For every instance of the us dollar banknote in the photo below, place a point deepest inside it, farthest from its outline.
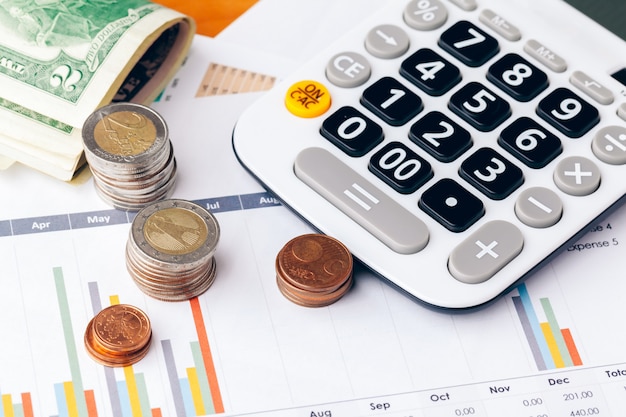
(60, 60)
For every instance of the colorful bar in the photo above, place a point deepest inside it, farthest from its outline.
(172, 375)
(536, 326)
(7, 406)
(90, 399)
(59, 392)
(77, 405)
(203, 381)
(571, 347)
(133, 391)
(70, 397)
(530, 335)
(556, 332)
(196, 394)
(27, 405)
(185, 388)
(142, 390)
(207, 357)
(122, 390)
(552, 347)
(9, 409)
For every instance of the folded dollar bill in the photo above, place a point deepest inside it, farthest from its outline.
(60, 60)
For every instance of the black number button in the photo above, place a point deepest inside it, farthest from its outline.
(569, 113)
(517, 77)
(530, 143)
(451, 205)
(479, 106)
(400, 167)
(391, 101)
(430, 72)
(438, 135)
(490, 173)
(351, 131)
(469, 44)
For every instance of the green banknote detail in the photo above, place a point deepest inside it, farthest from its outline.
(37, 117)
(67, 40)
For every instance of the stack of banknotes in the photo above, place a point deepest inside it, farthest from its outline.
(60, 60)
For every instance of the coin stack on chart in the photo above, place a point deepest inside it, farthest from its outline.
(314, 270)
(130, 155)
(118, 336)
(169, 253)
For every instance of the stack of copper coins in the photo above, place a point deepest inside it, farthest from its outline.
(314, 270)
(169, 253)
(130, 155)
(119, 335)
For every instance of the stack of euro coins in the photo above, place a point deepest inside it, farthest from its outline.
(170, 248)
(130, 155)
(314, 270)
(119, 335)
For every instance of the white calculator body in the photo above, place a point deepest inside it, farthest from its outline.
(453, 146)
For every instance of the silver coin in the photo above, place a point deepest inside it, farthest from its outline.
(130, 155)
(175, 232)
(121, 134)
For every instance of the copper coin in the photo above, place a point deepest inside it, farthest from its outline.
(119, 335)
(305, 299)
(122, 328)
(105, 358)
(315, 262)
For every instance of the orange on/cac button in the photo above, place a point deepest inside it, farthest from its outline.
(307, 99)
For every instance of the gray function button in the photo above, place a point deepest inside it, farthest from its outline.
(577, 175)
(621, 111)
(387, 41)
(468, 5)
(380, 215)
(486, 251)
(500, 25)
(544, 55)
(425, 14)
(348, 69)
(539, 207)
(609, 145)
(591, 87)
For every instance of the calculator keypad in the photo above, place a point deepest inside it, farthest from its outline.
(451, 205)
(485, 106)
(401, 168)
(440, 136)
(430, 72)
(352, 131)
(391, 101)
(531, 143)
(517, 77)
(479, 106)
(469, 44)
(491, 173)
(363, 202)
(568, 113)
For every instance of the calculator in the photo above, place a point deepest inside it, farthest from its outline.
(455, 147)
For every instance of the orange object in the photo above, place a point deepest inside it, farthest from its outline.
(211, 16)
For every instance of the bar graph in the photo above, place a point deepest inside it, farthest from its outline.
(72, 399)
(222, 79)
(198, 393)
(553, 347)
(9, 408)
